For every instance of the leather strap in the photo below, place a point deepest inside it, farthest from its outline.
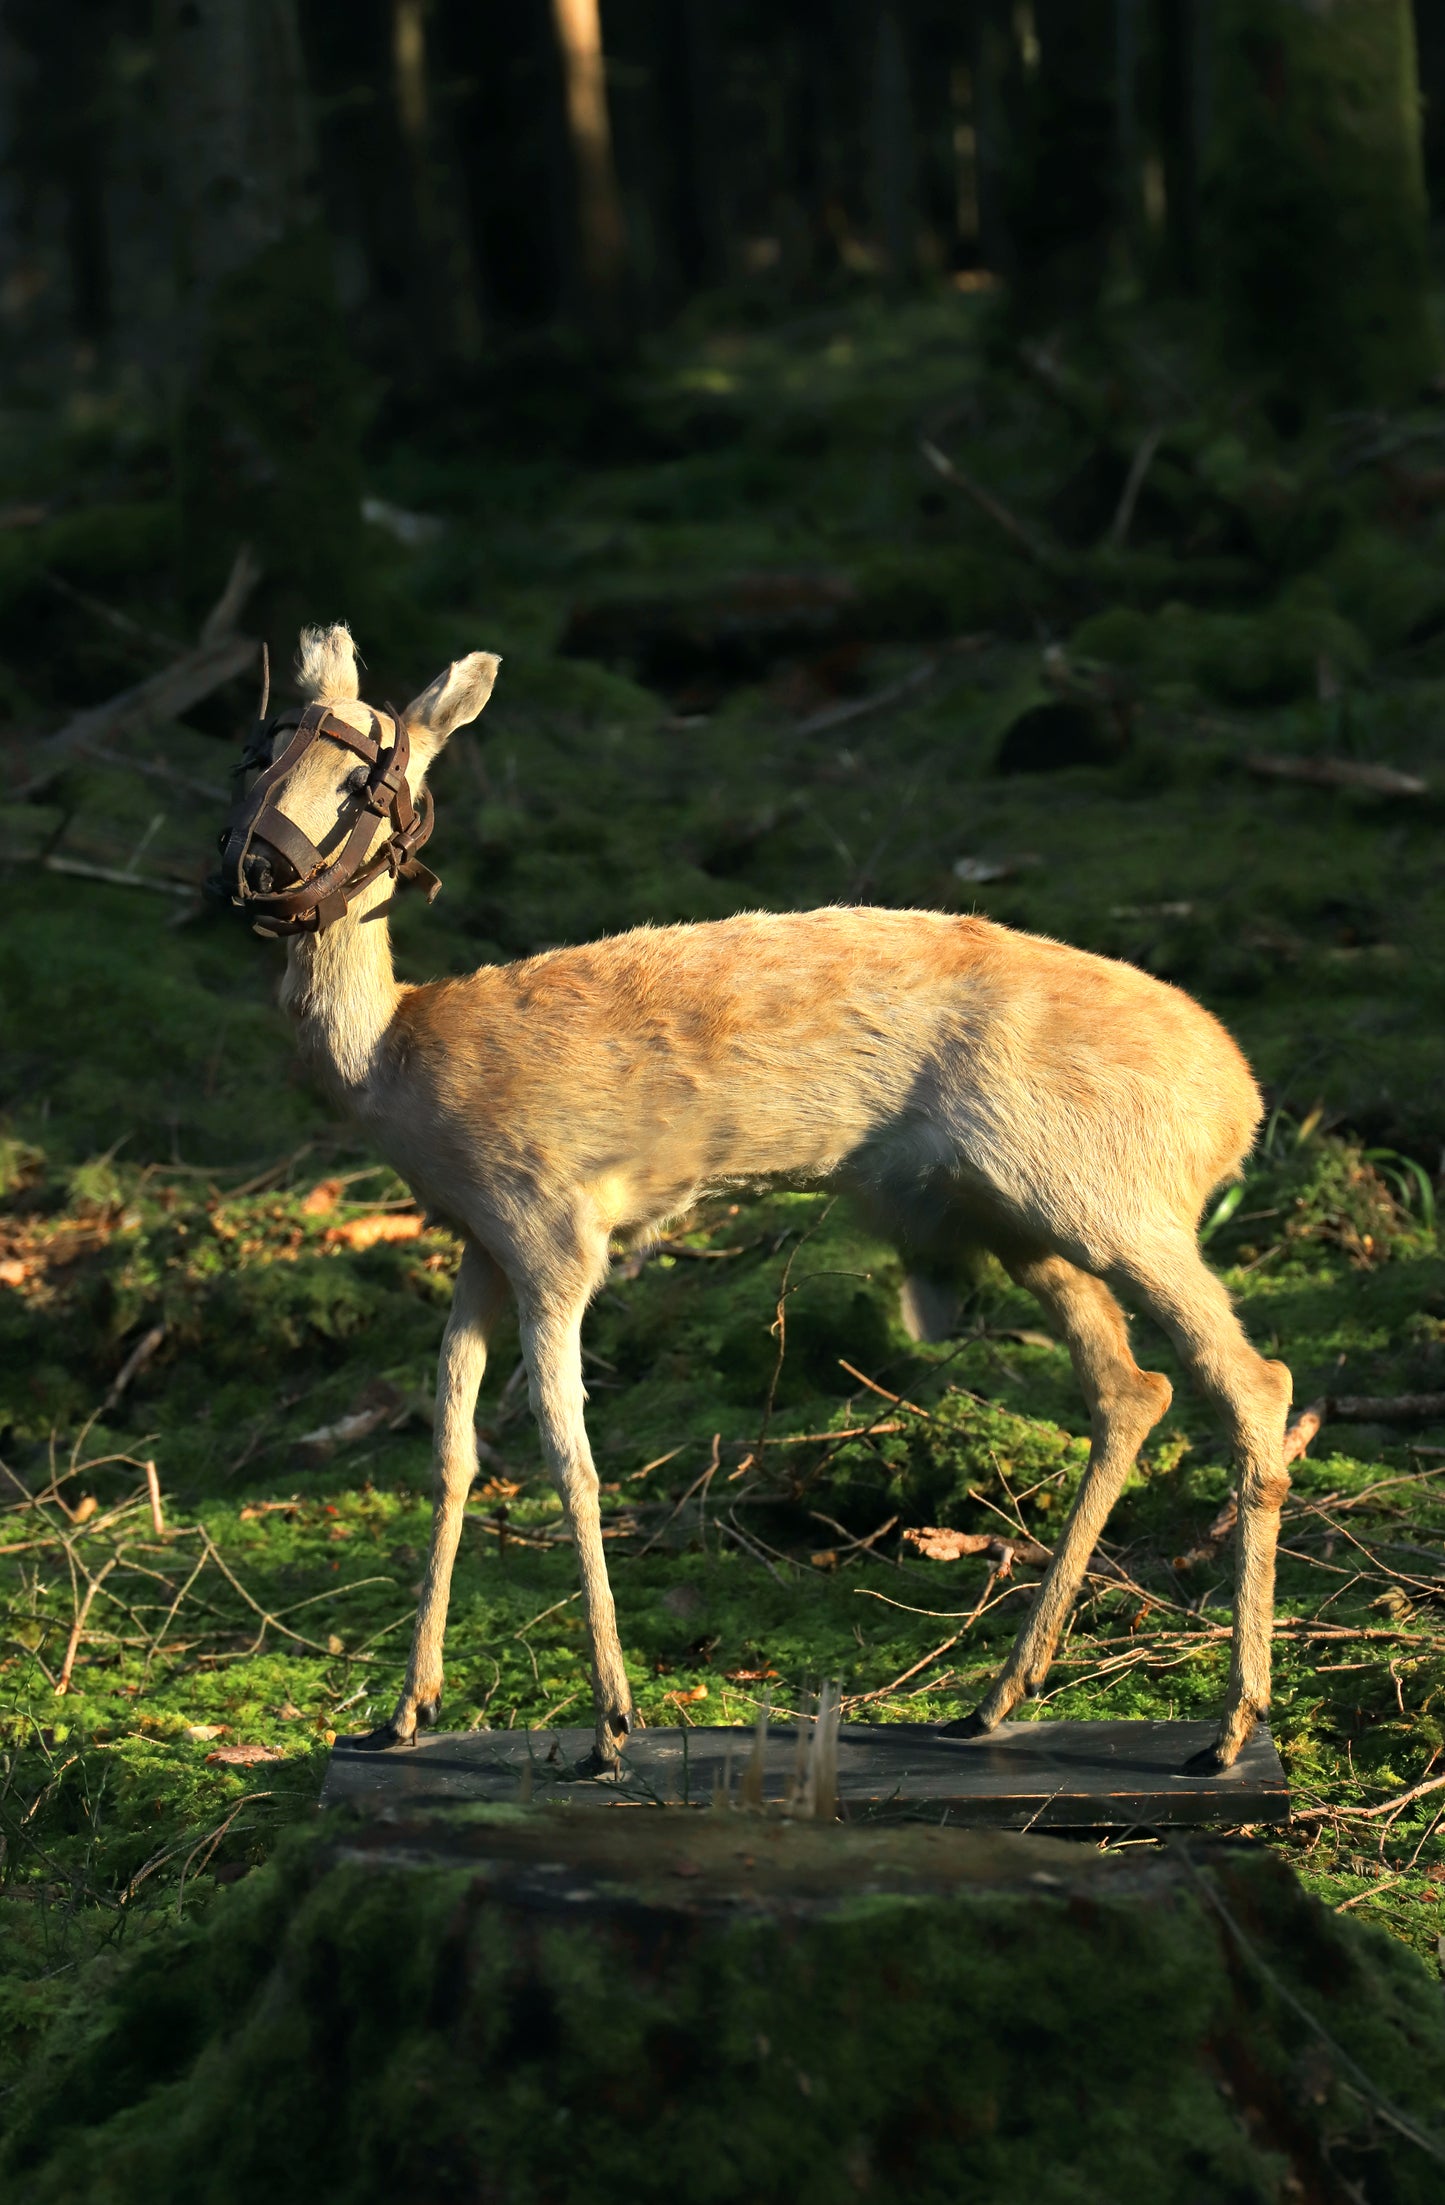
(320, 892)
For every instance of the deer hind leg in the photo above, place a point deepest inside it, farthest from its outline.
(1253, 1396)
(481, 1292)
(552, 1346)
(1125, 1403)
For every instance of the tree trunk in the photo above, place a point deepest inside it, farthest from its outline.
(512, 157)
(601, 232)
(997, 93)
(267, 417)
(58, 132)
(1180, 35)
(688, 82)
(1064, 215)
(1430, 48)
(444, 286)
(894, 165)
(1315, 198)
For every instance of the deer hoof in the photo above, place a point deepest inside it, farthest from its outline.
(597, 1763)
(427, 1711)
(967, 1726)
(384, 1739)
(1211, 1762)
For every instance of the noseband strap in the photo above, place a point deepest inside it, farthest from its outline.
(320, 890)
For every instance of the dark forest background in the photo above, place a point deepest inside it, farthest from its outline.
(300, 226)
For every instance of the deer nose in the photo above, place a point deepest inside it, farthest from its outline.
(258, 874)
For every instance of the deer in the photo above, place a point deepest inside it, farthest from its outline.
(971, 1087)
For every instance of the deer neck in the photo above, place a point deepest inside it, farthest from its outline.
(341, 993)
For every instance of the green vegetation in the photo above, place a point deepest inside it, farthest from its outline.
(637, 2008)
(167, 1173)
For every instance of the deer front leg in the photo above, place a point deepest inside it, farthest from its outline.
(552, 1346)
(481, 1291)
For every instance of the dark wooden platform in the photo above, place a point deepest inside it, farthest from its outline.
(1044, 1775)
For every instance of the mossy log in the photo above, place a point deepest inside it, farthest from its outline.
(518, 2005)
(1315, 197)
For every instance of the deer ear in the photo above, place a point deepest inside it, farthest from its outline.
(454, 698)
(326, 664)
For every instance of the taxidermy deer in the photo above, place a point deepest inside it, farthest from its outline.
(971, 1087)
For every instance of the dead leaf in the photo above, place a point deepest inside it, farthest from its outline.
(335, 1645)
(323, 1197)
(498, 1489)
(286, 1713)
(365, 1232)
(200, 1734)
(826, 1558)
(84, 1509)
(242, 1757)
(748, 1676)
(696, 1692)
(13, 1272)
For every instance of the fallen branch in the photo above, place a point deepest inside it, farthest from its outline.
(1143, 460)
(858, 708)
(1371, 1814)
(1042, 554)
(156, 769)
(133, 1365)
(882, 1391)
(113, 876)
(218, 657)
(1400, 1408)
(1336, 773)
(77, 1629)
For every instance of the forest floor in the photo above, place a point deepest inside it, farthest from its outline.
(202, 1271)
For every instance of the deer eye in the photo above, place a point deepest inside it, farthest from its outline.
(356, 783)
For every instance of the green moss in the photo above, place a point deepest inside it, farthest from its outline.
(1242, 658)
(413, 2031)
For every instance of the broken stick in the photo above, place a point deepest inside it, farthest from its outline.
(219, 656)
(1336, 773)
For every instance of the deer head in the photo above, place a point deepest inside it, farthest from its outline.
(334, 808)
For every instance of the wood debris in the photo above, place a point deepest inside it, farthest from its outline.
(365, 1232)
(939, 1543)
(1336, 773)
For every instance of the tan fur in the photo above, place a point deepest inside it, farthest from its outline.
(972, 1087)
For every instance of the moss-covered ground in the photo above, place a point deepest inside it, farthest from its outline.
(170, 1180)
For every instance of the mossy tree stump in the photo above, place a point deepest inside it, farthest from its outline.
(521, 2005)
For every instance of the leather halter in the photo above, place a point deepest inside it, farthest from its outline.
(319, 892)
